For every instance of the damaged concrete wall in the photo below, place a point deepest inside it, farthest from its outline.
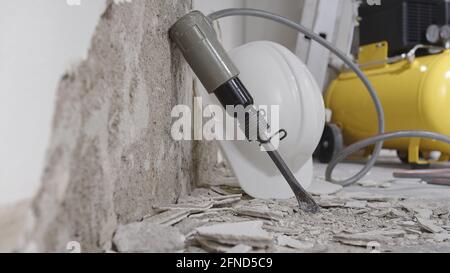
(111, 156)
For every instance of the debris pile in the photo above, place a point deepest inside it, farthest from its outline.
(223, 219)
(223, 237)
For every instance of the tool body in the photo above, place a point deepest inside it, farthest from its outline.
(197, 40)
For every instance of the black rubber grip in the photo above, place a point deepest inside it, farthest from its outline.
(234, 93)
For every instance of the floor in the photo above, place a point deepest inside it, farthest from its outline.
(380, 214)
(382, 173)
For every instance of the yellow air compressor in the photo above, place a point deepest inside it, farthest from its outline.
(415, 95)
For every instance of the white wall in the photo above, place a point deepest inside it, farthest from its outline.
(232, 28)
(262, 29)
(238, 30)
(38, 42)
(335, 18)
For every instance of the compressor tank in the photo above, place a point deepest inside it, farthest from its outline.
(415, 94)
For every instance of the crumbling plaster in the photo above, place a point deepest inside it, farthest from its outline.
(111, 156)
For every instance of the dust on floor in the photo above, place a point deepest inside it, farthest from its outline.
(367, 217)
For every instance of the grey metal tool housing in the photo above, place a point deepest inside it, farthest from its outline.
(196, 38)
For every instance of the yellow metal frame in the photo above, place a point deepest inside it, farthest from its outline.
(373, 55)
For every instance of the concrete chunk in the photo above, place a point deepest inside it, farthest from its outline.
(261, 211)
(240, 249)
(249, 233)
(287, 241)
(362, 239)
(148, 237)
(428, 225)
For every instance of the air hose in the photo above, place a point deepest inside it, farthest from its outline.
(378, 139)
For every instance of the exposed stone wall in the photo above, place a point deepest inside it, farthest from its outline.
(111, 156)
